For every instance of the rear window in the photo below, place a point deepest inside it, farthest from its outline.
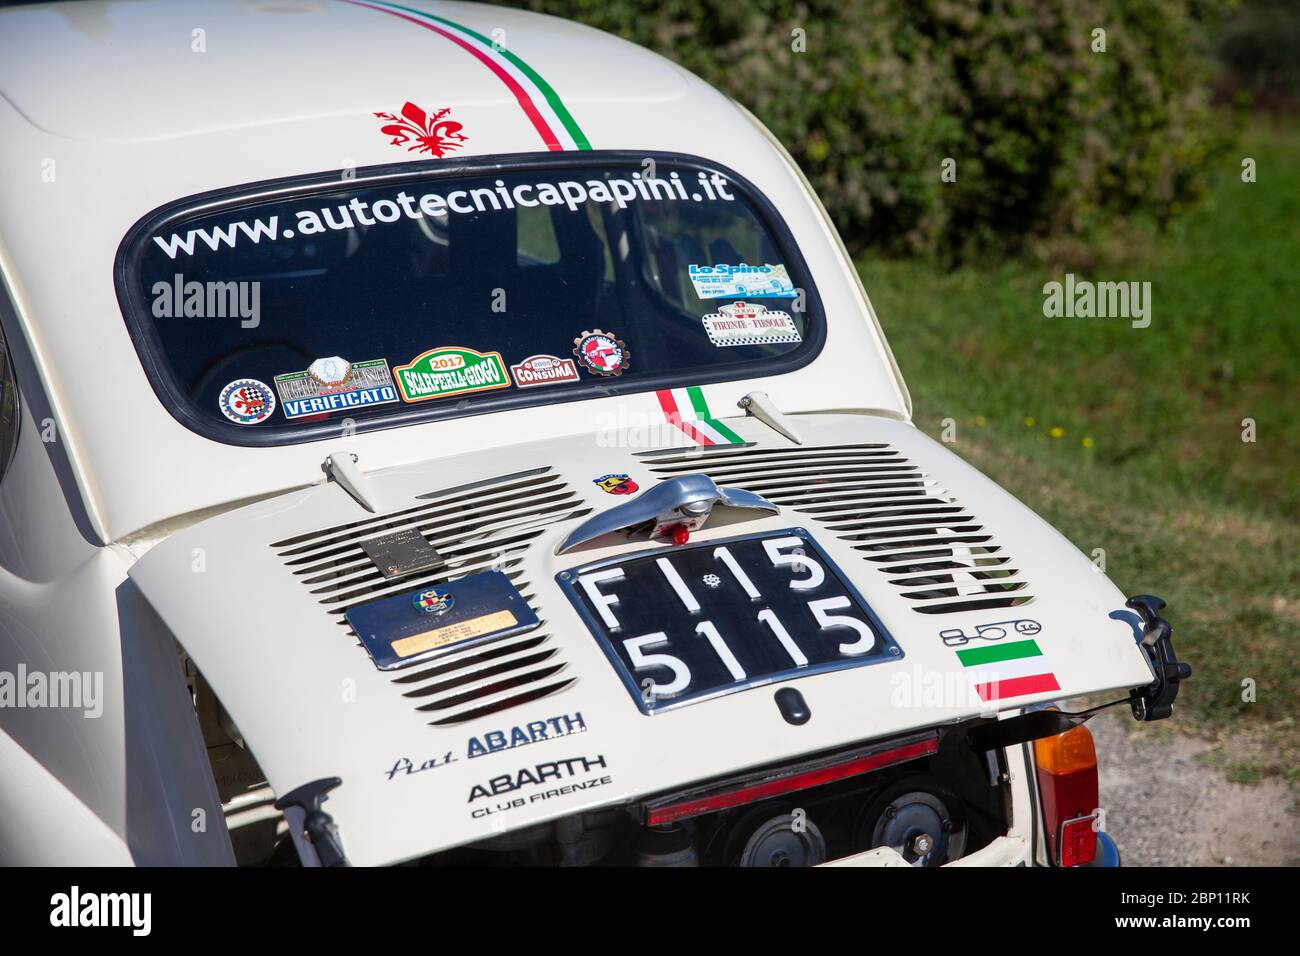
(293, 311)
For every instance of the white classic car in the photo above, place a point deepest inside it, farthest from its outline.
(436, 433)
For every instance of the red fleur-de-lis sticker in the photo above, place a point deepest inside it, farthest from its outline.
(247, 402)
(434, 134)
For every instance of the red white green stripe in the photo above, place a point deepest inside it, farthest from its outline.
(538, 100)
(687, 409)
(1008, 670)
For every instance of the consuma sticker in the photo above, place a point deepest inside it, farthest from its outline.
(544, 370)
(446, 371)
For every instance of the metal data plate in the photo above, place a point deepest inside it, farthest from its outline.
(402, 552)
(681, 625)
(406, 628)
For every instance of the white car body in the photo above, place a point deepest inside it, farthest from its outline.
(134, 547)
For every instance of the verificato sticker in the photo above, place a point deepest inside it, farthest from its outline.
(335, 384)
(749, 323)
(724, 281)
(446, 371)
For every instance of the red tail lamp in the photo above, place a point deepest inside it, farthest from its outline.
(1067, 782)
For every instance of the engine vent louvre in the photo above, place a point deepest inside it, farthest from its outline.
(481, 526)
(930, 547)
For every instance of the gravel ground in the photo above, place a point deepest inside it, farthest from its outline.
(1164, 807)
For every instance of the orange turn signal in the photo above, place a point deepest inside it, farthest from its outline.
(1069, 752)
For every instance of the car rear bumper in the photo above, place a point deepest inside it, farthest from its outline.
(1004, 851)
(1107, 851)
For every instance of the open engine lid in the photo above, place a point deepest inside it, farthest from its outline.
(542, 723)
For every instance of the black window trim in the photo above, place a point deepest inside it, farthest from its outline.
(9, 443)
(137, 316)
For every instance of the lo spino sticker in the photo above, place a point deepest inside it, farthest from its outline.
(724, 281)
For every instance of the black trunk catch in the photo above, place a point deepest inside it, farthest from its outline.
(1156, 700)
(322, 835)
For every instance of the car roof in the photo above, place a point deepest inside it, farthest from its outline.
(111, 109)
(136, 72)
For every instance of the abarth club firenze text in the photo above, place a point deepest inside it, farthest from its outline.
(537, 775)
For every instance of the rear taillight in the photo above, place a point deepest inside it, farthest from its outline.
(740, 791)
(1078, 843)
(1067, 782)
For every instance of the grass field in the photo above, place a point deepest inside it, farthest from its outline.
(1130, 439)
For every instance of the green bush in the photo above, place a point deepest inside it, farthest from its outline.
(1260, 48)
(1049, 137)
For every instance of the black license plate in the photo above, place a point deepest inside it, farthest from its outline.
(685, 624)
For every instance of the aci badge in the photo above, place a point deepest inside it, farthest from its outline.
(724, 281)
(442, 372)
(602, 352)
(749, 323)
(412, 626)
(246, 401)
(433, 601)
(334, 384)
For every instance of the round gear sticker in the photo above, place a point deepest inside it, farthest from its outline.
(246, 401)
(602, 352)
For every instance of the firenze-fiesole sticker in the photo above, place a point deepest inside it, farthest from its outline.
(335, 384)
(446, 371)
(749, 323)
(724, 281)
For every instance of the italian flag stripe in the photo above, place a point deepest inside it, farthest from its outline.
(999, 652)
(669, 402)
(727, 436)
(1017, 687)
(700, 406)
(539, 101)
(687, 409)
(1008, 670)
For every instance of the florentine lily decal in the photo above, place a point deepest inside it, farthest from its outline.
(434, 134)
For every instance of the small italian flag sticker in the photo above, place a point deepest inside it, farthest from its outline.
(689, 412)
(1000, 671)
